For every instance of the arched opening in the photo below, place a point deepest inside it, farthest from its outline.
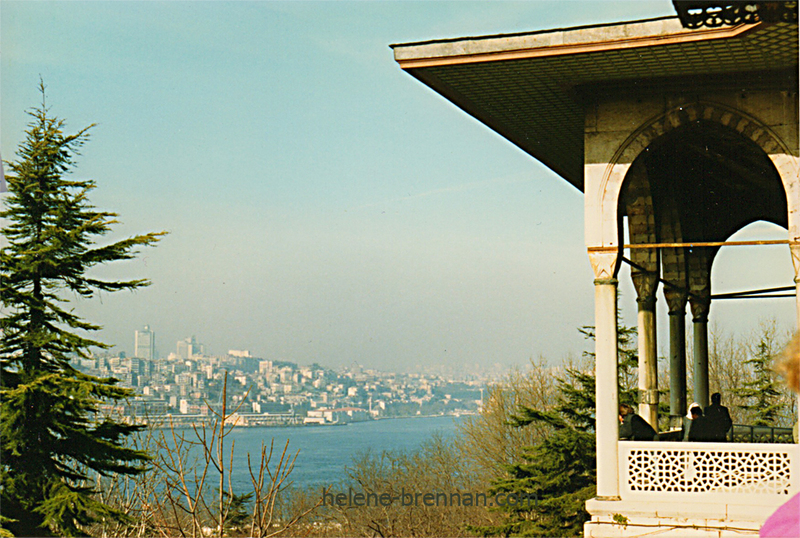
(705, 181)
(700, 182)
(749, 268)
(719, 180)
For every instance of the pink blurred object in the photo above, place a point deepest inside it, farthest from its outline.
(785, 522)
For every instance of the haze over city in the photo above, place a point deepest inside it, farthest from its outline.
(321, 204)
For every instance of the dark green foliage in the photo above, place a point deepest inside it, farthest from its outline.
(237, 513)
(561, 471)
(628, 357)
(762, 392)
(52, 442)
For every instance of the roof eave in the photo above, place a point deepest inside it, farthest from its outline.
(557, 42)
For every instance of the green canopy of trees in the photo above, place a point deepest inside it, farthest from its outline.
(561, 470)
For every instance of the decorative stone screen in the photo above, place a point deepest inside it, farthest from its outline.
(707, 469)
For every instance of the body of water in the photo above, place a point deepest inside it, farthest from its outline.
(325, 451)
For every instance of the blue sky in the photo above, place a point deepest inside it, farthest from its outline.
(323, 205)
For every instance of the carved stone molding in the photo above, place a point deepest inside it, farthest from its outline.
(605, 262)
(794, 248)
(646, 284)
(694, 14)
(700, 304)
(676, 301)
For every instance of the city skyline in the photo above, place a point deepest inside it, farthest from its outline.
(273, 393)
(190, 349)
(322, 204)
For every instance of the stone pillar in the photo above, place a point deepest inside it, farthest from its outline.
(604, 264)
(646, 284)
(676, 300)
(700, 307)
(700, 301)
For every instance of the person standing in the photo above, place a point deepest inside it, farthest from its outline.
(634, 427)
(700, 427)
(718, 418)
(687, 422)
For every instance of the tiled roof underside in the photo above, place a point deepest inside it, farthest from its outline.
(533, 103)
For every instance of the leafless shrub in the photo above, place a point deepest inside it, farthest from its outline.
(487, 441)
(398, 482)
(177, 497)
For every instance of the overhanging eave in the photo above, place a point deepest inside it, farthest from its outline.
(532, 88)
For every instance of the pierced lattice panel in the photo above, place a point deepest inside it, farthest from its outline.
(701, 471)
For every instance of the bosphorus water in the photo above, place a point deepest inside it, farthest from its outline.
(326, 451)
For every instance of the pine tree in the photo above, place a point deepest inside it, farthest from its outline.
(762, 392)
(53, 442)
(560, 472)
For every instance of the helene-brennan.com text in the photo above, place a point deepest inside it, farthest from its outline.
(416, 498)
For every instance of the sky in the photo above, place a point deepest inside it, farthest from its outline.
(322, 205)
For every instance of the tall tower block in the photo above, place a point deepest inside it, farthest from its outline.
(145, 344)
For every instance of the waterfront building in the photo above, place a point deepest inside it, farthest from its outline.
(341, 415)
(684, 128)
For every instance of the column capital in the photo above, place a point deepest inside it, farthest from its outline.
(647, 303)
(700, 304)
(794, 248)
(605, 261)
(645, 284)
(676, 300)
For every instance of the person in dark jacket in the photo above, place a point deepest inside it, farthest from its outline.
(687, 422)
(719, 419)
(634, 427)
(700, 429)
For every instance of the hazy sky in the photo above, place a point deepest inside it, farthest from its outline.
(322, 204)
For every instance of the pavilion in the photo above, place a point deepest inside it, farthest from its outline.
(688, 127)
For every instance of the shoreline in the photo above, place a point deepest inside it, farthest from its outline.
(187, 422)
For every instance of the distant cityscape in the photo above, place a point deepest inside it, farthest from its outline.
(186, 388)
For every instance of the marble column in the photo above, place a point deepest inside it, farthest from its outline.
(676, 300)
(646, 284)
(604, 264)
(700, 307)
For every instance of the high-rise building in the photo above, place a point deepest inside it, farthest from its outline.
(145, 344)
(189, 347)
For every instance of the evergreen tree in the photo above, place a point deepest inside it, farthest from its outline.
(762, 392)
(560, 472)
(52, 441)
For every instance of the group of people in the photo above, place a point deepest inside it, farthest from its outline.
(711, 425)
(714, 423)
